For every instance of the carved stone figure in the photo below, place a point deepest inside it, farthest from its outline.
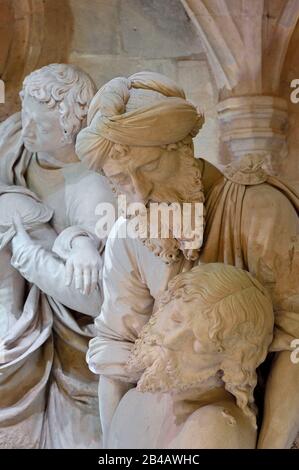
(140, 133)
(25, 327)
(211, 330)
(13, 200)
(59, 407)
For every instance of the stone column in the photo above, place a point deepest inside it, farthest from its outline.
(255, 125)
(246, 44)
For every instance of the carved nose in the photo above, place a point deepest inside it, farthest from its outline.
(28, 131)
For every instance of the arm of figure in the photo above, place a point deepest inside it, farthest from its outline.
(281, 409)
(81, 250)
(127, 306)
(44, 269)
(270, 228)
(110, 393)
(83, 196)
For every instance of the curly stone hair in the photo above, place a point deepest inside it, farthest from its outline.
(65, 86)
(240, 317)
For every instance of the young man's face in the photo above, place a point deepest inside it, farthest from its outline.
(41, 128)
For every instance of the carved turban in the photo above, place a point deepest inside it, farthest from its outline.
(144, 110)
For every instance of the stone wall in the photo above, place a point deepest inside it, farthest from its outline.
(109, 38)
(32, 34)
(120, 37)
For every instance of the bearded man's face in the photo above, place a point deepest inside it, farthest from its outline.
(146, 174)
(170, 354)
(155, 175)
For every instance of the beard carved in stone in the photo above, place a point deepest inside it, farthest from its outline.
(169, 176)
(213, 322)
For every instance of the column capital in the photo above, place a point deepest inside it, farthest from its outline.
(255, 125)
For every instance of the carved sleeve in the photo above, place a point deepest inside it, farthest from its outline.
(127, 306)
(44, 269)
(83, 196)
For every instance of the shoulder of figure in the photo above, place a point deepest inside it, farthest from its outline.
(249, 170)
(11, 125)
(209, 173)
(84, 184)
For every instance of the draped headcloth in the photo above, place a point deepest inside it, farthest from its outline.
(123, 113)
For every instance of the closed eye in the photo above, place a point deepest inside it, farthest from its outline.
(120, 179)
(176, 317)
(151, 166)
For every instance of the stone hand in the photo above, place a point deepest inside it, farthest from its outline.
(21, 236)
(83, 265)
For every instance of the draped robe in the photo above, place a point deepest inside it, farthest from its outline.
(48, 396)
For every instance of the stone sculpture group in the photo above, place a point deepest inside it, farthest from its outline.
(93, 330)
